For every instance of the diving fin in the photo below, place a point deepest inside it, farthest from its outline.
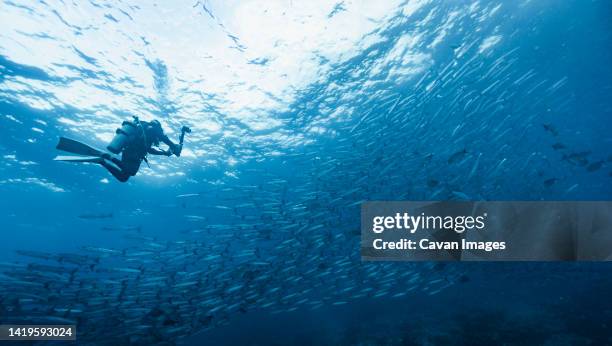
(76, 147)
(94, 159)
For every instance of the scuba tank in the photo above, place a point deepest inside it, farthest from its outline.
(125, 135)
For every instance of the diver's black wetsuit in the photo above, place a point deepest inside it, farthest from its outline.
(150, 134)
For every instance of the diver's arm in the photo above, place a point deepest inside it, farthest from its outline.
(167, 141)
(174, 149)
(155, 151)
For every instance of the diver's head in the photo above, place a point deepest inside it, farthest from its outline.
(156, 127)
(156, 124)
(155, 131)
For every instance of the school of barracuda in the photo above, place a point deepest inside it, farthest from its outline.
(284, 242)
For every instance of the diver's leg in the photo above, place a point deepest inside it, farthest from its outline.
(116, 171)
(128, 164)
(122, 169)
(117, 162)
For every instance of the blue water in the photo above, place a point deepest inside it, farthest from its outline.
(299, 111)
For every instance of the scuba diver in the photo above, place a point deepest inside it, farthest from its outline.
(134, 140)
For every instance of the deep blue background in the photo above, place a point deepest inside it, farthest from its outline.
(395, 145)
